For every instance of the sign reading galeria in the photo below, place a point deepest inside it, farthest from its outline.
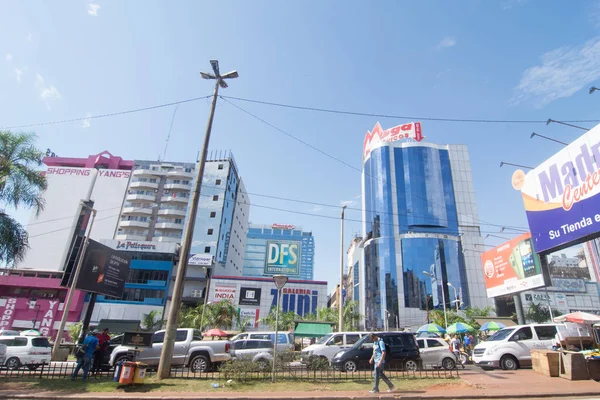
(512, 267)
(104, 270)
(562, 195)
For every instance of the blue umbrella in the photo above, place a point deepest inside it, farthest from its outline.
(431, 328)
(459, 327)
(492, 326)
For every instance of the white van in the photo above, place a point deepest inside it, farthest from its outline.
(510, 348)
(26, 350)
(331, 344)
(285, 340)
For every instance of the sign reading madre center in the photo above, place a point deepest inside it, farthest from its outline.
(283, 257)
(104, 270)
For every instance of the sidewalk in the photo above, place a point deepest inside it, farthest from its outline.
(475, 385)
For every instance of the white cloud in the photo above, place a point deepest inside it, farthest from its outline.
(562, 72)
(93, 9)
(18, 74)
(9, 57)
(87, 121)
(48, 94)
(30, 37)
(448, 41)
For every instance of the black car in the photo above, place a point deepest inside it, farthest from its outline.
(402, 352)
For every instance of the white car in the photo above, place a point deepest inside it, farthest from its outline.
(435, 352)
(26, 351)
(510, 348)
(331, 344)
(285, 340)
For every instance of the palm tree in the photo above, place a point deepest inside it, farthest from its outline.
(151, 322)
(20, 186)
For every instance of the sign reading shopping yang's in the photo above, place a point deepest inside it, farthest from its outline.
(283, 257)
(562, 195)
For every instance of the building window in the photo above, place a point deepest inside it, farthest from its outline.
(178, 220)
(220, 166)
(210, 232)
(213, 214)
(207, 249)
(188, 170)
(215, 197)
(218, 182)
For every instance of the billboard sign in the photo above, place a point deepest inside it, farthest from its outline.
(512, 267)
(226, 293)
(249, 316)
(562, 195)
(104, 270)
(201, 259)
(378, 137)
(285, 227)
(250, 296)
(568, 285)
(283, 257)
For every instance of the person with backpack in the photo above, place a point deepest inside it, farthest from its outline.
(103, 343)
(85, 354)
(378, 361)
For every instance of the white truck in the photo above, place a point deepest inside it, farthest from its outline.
(190, 351)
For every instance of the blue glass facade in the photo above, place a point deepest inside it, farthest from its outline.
(255, 256)
(412, 233)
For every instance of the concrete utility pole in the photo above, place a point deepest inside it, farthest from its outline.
(164, 366)
(341, 291)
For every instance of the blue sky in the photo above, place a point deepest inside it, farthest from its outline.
(507, 59)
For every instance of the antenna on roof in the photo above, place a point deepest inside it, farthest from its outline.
(169, 134)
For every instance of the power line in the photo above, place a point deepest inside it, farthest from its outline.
(343, 162)
(414, 118)
(64, 121)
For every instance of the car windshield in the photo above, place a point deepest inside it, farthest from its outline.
(40, 342)
(500, 335)
(324, 338)
(364, 340)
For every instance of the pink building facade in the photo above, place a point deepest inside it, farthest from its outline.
(35, 300)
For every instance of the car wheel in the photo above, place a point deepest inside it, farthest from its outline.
(508, 363)
(32, 367)
(263, 364)
(411, 365)
(122, 358)
(199, 364)
(350, 366)
(448, 363)
(13, 363)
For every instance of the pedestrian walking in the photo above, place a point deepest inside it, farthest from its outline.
(378, 361)
(467, 344)
(103, 343)
(85, 354)
(455, 343)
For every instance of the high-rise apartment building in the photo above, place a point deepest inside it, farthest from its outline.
(279, 249)
(421, 229)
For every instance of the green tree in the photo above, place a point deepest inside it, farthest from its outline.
(472, 313)
(286, 320)
(190, 317)
(351, 316)
(437, 317)
(152, 321)
(220, 315)
(242, 322)
(21, 185)
(75, 331)
(540, 313)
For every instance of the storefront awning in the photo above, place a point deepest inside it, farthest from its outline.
(312, 329)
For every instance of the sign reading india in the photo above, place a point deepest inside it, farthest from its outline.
(226, 293)
(377, 137)
(562, 195)
(283, 257)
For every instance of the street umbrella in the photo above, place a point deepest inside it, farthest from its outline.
(431, 328)
(492, 326)
(459, 327)
(30, 332)
(215, 332)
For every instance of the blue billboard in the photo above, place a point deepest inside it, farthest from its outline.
(562, 195)
(283, 257)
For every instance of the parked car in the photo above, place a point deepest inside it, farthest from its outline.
(401, 352)
(510, 348)
(255, 350)
(26, 351)
(435, 352)
(115, 342)
(7, 332)
(3, 350)
(331, 344)
(190, 351)
(285, 340)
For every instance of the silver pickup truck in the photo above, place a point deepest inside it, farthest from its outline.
(190, 351)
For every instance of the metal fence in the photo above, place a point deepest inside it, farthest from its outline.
(235, 371)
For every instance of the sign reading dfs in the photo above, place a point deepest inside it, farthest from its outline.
(562, 195)
(378, 137)
(104, 270)
(512, 267)
(283, 257)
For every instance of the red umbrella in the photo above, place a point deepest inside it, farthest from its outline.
(215, 332)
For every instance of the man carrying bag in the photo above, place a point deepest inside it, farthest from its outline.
(85, 354)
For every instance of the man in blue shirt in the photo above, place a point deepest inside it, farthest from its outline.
(378, 361)
(89, 345)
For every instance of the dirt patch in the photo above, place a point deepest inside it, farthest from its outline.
(449, 386)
